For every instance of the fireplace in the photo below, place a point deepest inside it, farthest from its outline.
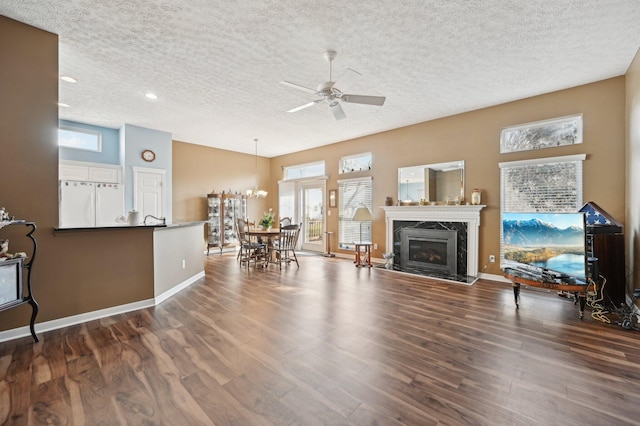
(429, 249)
(458, 223)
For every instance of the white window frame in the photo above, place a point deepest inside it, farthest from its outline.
(364, 155)
(552, 126)
(345, 236)
(96, 134)
(287, 169)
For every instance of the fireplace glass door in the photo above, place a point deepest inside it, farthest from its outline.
(429, 250)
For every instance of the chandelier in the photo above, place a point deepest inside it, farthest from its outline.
(255, 192)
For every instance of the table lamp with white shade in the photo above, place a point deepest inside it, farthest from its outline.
(362, 214)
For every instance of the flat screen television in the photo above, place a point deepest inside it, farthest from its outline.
(551, 244)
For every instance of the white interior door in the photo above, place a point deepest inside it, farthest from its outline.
(149, 192)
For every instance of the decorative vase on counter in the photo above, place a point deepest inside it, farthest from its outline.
(133, 218)
(476, 197)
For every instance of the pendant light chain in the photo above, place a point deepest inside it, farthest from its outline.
(256, 192)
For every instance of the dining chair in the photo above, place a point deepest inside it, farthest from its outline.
(285, 221)
(250, 248)
(284, 248)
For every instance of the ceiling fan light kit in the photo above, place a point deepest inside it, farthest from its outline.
(331, 92)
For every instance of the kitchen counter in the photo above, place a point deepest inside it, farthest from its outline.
(177, 253)
(176, 224)
(179, 224)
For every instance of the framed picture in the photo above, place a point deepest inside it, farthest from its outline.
(332, 198)
(542, 134)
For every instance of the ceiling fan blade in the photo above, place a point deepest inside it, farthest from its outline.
(346, 79)
(307, 105)
(338, 112)
(362, 99)
(297, 86)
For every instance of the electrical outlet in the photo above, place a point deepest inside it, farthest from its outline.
(184, 263)
(375, 246)
(492, 258)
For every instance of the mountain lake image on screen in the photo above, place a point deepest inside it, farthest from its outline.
(546, 241)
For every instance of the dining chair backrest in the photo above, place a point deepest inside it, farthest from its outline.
(242, 229)
(285, 221)
(289, 237)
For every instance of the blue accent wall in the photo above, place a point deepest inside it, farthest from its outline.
(110, 146)
(124, 147)
(134, 140)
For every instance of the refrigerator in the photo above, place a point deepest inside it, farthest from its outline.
(90, 204)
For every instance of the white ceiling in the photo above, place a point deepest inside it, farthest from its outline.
(216, 65)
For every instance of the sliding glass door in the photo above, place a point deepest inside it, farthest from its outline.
(303, 201)
(313, 218)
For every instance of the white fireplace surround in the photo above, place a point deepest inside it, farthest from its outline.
(469, 214)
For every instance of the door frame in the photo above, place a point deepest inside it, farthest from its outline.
(313, 184)
(300, 184)
(163, 183)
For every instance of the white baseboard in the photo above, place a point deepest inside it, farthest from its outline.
(186, 283)
(493, 277)
(43, 327)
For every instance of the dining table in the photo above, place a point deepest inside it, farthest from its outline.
(266, 236)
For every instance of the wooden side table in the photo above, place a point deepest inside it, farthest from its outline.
(363, 253)
(328, 252)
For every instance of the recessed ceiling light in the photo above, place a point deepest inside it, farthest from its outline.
(68, 79)
(150, 95)
(63, 105)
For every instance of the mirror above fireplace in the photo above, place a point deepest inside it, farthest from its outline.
(431, 183)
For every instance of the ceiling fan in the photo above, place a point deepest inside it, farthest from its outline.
(331, 92)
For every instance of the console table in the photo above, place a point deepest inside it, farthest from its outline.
(23, 296)
(579, 290)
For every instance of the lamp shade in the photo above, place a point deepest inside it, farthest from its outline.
(362, 214)
(256, 193)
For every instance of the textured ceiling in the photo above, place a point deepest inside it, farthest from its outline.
(216, 65)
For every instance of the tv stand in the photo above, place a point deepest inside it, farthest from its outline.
(519, 277)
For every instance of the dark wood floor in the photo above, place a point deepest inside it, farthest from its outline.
(328, 344)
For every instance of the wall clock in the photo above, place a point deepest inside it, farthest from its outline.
(148, 155)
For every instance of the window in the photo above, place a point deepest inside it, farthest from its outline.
(353, 193)
(71, 137)
(542, 134)
(355, 163)
(541, 185)
(304, 170)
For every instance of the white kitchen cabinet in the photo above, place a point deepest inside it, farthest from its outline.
(73, 172)
(90, 172)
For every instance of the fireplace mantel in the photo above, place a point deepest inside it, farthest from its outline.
(469, 214)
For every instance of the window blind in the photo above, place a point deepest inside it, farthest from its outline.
(542, 186)
(353, 193)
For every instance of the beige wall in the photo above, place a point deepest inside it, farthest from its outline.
(74, 272)
(474, 137)
(171, 247)
(199, 170)
(632, 230)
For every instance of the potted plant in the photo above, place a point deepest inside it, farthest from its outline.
(267, 220)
